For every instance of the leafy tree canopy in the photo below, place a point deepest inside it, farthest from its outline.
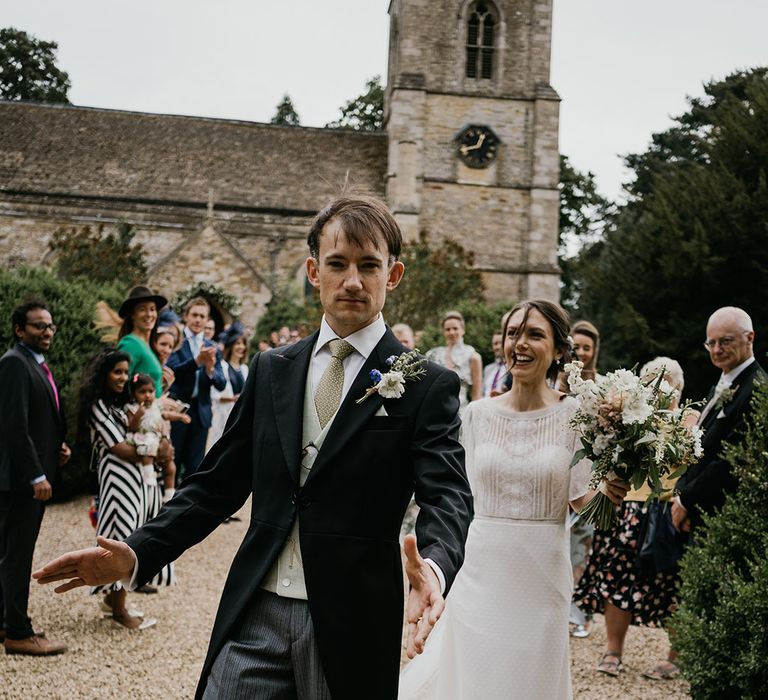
(436, 278)
(98, 255)
(691, 237)
(286, 114)
(365, 112)
(28, 69)
(583, 216)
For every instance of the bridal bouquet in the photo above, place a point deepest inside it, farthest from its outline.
(629, 431)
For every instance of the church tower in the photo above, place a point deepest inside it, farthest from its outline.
(472, 123)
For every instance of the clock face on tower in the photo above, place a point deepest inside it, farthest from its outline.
(476, 145)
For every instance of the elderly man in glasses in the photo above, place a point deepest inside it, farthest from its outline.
(729, 342)
(32, 447)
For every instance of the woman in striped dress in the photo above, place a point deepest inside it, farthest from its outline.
(126, 502)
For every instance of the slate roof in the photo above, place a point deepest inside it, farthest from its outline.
(87, 152)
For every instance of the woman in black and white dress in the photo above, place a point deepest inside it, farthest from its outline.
(126, 502)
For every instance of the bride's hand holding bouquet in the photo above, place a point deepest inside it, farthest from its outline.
(632, 433)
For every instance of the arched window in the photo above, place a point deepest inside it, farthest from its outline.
(481, 29)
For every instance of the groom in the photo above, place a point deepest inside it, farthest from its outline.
(313, 605)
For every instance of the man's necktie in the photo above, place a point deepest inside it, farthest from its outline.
(48, 374)
(328, 394)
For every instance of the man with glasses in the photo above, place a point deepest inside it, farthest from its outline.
(703, 487)
(32, 447)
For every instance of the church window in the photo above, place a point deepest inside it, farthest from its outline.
(481, 29)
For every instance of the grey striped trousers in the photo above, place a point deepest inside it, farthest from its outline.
(273, 656)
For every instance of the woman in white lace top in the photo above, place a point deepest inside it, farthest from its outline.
(504, 631)
(459, 357)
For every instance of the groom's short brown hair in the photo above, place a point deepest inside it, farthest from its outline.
(362, 219)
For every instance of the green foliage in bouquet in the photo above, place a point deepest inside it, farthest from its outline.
(721, 627)
(72, 304)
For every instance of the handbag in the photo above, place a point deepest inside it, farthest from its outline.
(661, 546)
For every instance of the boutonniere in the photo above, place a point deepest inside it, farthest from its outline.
(723, 397)
(410, 366)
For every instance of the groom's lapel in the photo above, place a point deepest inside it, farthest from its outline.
(352, 416)
(289, 378)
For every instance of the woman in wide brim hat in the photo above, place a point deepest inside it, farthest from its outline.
(139, 313)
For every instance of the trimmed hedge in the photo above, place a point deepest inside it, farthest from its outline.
(721, 627)
(72, 304)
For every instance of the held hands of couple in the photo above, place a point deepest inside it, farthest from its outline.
(425, 601)
(110, 561)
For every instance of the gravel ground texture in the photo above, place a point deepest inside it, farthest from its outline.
(107, 661)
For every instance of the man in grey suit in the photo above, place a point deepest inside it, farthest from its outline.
(31, 448)
(313, 606)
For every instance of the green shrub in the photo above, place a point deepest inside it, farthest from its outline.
(721, 627)
(72, 304)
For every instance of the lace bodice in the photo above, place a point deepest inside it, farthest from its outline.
(518, 463)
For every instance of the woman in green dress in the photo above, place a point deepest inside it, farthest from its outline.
(139, 313)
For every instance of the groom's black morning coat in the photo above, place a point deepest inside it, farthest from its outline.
(351, 506)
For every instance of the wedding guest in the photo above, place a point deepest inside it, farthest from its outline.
(404, 333)
(197, 368)
(495, 372)
(263, 345)
(139, 313)
(171, 321)
(504, 630)
(460, 358)
(703, 488)
(613, 583)
(586, 345)
(209, 329)
(125, 500)
(234, 365)
(32, 448)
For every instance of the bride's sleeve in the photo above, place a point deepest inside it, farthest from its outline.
(466, 438)
(579, 476)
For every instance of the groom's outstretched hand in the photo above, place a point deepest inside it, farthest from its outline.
(425, 601)
(110, 561)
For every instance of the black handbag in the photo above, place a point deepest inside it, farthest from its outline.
(661, 546)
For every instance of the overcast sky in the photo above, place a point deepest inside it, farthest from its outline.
(622, 67)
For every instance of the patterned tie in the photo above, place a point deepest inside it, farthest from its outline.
(48, 374)
(328, 394)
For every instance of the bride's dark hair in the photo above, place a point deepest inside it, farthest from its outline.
(557, 317)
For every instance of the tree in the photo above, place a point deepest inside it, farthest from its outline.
(583, 215)
(692, 236)
(28, 69)
(365, 112)
(286, 113)
(437, 278)
(99, 256)
(720, 626)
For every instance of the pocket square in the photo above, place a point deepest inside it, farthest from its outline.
(381, 412)
(720, 415)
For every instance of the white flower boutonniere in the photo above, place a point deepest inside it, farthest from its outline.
(409, 366)
(723, 396)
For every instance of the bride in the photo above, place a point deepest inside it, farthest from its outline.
(504, 631)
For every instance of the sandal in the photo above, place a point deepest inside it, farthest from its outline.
(665, 671)
(610, 664)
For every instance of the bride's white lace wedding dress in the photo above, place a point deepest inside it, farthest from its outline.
(504, 631)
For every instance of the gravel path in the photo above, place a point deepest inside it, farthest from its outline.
(106, 661)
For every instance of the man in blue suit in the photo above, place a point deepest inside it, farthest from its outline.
(196, 366)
